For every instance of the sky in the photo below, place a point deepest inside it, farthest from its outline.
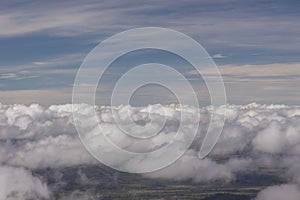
(255, 44)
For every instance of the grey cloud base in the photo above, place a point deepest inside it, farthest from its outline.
(255, 137)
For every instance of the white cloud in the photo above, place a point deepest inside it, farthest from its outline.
(255, 136)
(271, 139)
(218, 56)
(190, 167)
(19, 184)
(287, 192)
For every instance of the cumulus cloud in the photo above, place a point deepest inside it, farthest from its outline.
(35, 137)
(287, 192)
(19, 184)
(254, 137)
(271, 139)
(190, 167)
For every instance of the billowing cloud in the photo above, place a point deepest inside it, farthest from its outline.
(254, 137)
(190, 167)
(19, 184)
(287, 192)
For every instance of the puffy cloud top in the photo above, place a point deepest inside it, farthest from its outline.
(254, 136)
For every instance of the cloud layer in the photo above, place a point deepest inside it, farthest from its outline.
(255, 137)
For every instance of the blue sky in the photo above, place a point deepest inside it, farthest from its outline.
(256, 44)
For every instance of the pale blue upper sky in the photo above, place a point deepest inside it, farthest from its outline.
(256, 43)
